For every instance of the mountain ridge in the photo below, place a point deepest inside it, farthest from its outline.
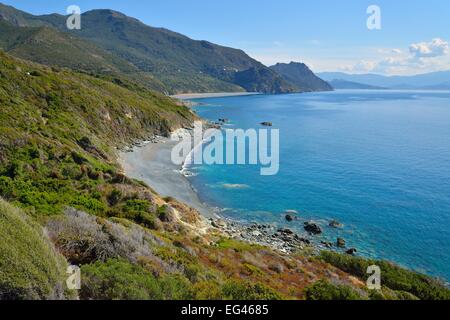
(419, 81)
(301, 75)
(183, 65)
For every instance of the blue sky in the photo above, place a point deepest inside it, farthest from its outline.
(328, 35)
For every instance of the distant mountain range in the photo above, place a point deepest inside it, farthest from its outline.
(113, 44)
(428, 81)
(343, 84)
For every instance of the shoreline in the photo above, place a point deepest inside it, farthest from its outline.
(188, 96)
(150, 162)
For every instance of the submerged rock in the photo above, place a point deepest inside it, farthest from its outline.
(335, 224)
(328, 245)
(289, 218)
(351, 251)
(341, 243)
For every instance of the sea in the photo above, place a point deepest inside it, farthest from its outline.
(376, 161)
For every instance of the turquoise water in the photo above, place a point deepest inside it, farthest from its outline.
(377, 161)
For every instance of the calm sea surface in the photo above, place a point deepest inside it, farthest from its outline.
(377, 161)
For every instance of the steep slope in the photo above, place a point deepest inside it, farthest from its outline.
(59, 131)
(182, 64)
(301, 76)
(48, 46)
(30, 267)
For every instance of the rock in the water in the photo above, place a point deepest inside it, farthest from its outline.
(313, 228)
(351, 251)
(289, 218)
(336, 224)
(341, 243)
(327, 244)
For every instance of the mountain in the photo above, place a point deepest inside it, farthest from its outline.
(420, 81)
(180, 63)
(48, 46)
(343, 84)
(301, 76)
(65, 200)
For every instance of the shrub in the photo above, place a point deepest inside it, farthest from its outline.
(30, 268)
(393, 277)
(120, 280)
(140, 211)
(245, 290)
(324, 290)
(84, 238)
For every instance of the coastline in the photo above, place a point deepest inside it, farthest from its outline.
(187, 96)
(151, 163)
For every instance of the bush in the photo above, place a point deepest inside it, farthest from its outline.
(121, 280)
(84, 238)
(30, 268)
(245, 290)
(393, 277)
(324, 290)
(139, 211)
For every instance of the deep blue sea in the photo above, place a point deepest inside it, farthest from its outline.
(377, 161)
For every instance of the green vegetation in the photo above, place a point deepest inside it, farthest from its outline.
(60, 132)
(179, 63)
(55, 133)
(244, 290)
(393, 277)
(30, 268)
(301, 76)
(324, 290)
(121, 280)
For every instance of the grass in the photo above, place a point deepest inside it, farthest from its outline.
(30, 268)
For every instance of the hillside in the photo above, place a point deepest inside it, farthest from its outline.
(59, 134)
(301, 76)
(48, 46)
(183, 65)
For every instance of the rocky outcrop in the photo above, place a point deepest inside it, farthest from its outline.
(313, 228)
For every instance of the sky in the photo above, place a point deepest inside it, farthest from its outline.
(328, 35)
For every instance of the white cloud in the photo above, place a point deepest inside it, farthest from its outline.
(422, 57)
(364, 66)
(436, 48)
